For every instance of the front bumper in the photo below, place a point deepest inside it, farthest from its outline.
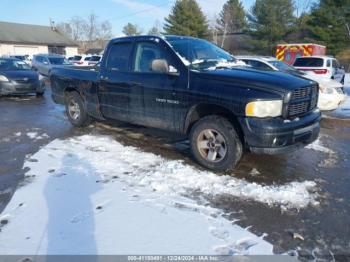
(277, 135)
(12, 87)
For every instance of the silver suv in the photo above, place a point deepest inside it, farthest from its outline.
(43, 63)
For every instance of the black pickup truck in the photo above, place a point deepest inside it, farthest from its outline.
(193, 87)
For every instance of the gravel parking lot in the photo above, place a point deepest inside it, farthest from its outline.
(297, 202)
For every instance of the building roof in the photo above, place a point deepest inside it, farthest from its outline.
(32, 34)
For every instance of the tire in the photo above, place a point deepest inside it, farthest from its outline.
(215, 144)
(75, 110)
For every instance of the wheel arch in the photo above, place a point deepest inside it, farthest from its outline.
(199, 111)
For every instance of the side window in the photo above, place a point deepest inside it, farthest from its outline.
(336, 64)
(248, 62)
(329, 63)
(146, 53)
(119, 56)
(259, 65)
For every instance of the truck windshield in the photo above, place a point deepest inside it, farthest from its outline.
(199, 54)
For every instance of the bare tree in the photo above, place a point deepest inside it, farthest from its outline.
(65, 29)
(78, 26)
(88, 33)
(104, 33)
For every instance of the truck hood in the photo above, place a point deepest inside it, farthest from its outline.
(20, 74)
(251, 78)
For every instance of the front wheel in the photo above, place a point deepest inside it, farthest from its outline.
(75, 109)
(215, 144)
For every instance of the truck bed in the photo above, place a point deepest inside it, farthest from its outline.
(65, 78)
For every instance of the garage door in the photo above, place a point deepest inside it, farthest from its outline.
(26, 50)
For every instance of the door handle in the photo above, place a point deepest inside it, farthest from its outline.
(104, 78)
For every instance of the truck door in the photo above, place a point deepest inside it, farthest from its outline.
(152, 93)
(114, 86)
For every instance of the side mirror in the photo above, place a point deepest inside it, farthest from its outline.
(45, 63)
(162, 66)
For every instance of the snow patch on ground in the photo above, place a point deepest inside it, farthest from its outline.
(332, 158)
(36, 136)
(319, 146)
(344, 109)
(92, 195)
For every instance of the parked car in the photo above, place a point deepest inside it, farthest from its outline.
(191, 86)
(17, 77)
(24, 58)
(81, 60)
(331, 93)
(44, 63)
(95, 59)
(325, 66)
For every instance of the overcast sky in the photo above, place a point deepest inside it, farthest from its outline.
(118, 12)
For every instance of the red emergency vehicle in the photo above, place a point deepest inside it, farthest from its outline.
(288, 53)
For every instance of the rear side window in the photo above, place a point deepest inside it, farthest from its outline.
(335, 63)
(95, 58)
(309, 62)
(119, 56)
(77, 58)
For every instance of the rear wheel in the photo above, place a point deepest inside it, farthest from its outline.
(75, 109)
(215, 144)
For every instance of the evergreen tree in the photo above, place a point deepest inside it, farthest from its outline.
(131, 29)
(330, 24)
(154, 31)
(269, 23)
(187, 18)
(232, 17)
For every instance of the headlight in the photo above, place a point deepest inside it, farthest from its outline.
(3, 78)
(264, 108)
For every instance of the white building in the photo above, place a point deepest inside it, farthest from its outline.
(23, 39)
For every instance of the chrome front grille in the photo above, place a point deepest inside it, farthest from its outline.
(301, 93)
(303, 100)
(298, 109)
